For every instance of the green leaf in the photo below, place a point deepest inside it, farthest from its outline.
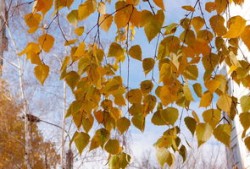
(245, 103)
(191, 124)
(135, 52)
(123, 124)
(41, 72)
(72, 79)
(223, 133)
(203, 133)
(170, 115)
(81, 141)
(148, 65)
(113, 146)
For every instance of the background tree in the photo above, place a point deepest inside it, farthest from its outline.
(43, 153)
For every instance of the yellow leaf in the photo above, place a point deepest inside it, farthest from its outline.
(134, 96)
(197, 22)
(191, 124)
(203, 133)
(80, 51)
(113, 146)
(115, 50)
(206, 99)
(105, 22)
(188, 8)
(217, 24)
(31, 48)
(136, 109)
(72, 79)
(79, 31)
(169, 29)
(100, 138)
(63, 3)
(160, 4)
(81, 141)
(148, 65)
(157, 119)
(46, 42)
(191, 72)
(239, 2)
(133, 2)
(169, 115)
(149, 103)
(73, 17)
(210, 6)
(164, 156)
(205, 35)
(146, 86)
(187, 92)
(135, 52)
(41, 72)
(43, 5)
(247, 143)
(123, 14)
(198, 89)
(245, 103)
(123, 124)
(86, 9)
(87, 122)
(236, 26)
(32, 20)
(153, 25)
(223, 133)
(244, 119)
(245, 36)
(136, 18)
(212, 117)
(139, 121)
(212, 84)
(224, 103)
(101, 8)
(221, 5)
(196, 117)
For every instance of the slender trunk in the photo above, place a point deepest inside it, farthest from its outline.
(63, 125)
(3, 39)
(4, 42)
(69, 159)
(26, 122)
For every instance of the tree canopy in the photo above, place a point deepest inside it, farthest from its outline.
(184, 69)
